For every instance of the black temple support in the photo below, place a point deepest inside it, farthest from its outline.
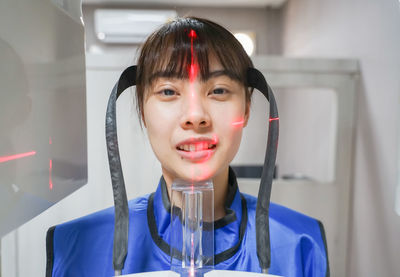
(127, 79)
(256, 80)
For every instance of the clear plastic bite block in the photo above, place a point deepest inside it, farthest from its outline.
(192, 227)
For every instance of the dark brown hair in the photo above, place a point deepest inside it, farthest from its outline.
(168, 50)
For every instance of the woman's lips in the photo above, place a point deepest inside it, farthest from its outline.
(197, 156)
(197, 149)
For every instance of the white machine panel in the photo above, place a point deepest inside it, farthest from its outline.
(43, 155)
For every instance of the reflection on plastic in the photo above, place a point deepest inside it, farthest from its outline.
(192, 227)
(43, 152)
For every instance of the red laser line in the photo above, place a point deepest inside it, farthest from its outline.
(193, 66)
(273, 118)
(16, 156)
(50, 173)
(238, 123)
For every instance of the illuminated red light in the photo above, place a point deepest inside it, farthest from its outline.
(273, 118)
(193, 66)
(238, 123)
(17, 156)
(50, 173)
(193, 69)
(193, 72)
(192, 34)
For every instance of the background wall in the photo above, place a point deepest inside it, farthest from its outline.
(367, 30)
(103, 69)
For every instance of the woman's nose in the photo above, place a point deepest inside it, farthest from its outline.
(195, 113)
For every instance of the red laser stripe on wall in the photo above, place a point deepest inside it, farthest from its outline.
(50, 173)
(16, 156)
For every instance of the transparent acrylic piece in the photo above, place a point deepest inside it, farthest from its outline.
(192, 227)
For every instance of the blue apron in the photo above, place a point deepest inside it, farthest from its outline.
(84, 246)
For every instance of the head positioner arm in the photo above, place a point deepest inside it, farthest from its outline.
(127, 79)
(256, 80)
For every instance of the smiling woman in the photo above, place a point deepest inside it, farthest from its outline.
(194, 84)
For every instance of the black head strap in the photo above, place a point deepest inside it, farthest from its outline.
(256, 80)
(127, 79)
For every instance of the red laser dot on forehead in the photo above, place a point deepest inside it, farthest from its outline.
(192, 34)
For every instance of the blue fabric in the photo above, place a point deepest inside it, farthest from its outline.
(83, 247)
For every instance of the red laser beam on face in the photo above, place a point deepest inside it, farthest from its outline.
(193, 69)
(238, 123)
(16, 156)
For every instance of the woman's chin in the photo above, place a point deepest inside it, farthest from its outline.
(198, 173)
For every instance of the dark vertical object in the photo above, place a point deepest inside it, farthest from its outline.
(50, 251)
(127, 79)
(322, 229)
(256, 80)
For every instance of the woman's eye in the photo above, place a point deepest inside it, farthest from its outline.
(219, 91)
(168, 92)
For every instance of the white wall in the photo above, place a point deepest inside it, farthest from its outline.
(368, 30)
(262, 21)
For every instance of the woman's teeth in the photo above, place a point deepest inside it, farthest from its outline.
(196, 147)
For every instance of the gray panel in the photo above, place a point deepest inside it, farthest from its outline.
(43, 151)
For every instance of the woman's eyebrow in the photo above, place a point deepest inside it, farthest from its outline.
(164, 74)
(223, 72)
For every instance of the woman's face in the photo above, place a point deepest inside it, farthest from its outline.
(195, 126)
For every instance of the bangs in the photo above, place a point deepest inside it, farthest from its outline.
(181, 53)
